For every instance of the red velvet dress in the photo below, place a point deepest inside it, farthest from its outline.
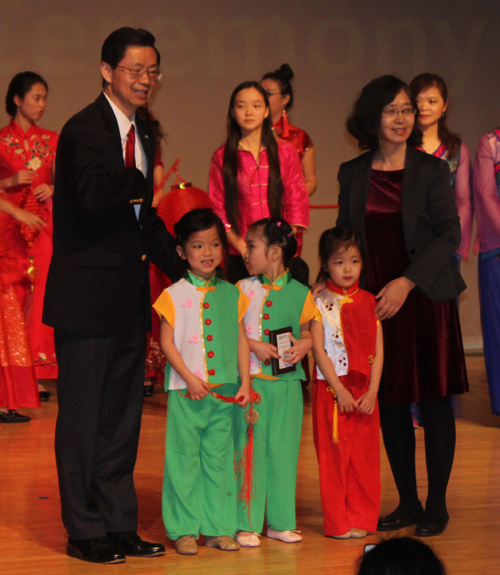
(33, 150)
(423, 351)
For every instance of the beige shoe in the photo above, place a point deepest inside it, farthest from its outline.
(288, 536)
(186, 545)
(358, 533)
(347, 535)
(223, 542)
(248, 539)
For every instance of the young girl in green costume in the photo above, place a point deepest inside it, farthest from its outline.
(276, 301)
(204, 341)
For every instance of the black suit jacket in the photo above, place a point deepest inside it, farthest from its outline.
(98, 279)
(430, 218)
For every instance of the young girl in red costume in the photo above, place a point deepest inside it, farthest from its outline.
(253, 175)
(348, 350)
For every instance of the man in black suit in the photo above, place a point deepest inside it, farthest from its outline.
(98, 300)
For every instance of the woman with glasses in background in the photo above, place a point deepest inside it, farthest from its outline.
(399, 200)
(431, 94)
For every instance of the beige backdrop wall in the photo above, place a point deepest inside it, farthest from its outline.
(208, 47)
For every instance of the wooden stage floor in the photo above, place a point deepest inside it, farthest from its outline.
(32, 539)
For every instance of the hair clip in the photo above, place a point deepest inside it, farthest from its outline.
(290, 234)
(278, 224)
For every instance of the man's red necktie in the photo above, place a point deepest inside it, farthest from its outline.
(130, 148)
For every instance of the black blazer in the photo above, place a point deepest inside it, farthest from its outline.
(98, 279)
(430, 218)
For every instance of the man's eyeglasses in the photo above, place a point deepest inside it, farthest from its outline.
(138, 73)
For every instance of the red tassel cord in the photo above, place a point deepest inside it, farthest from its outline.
(243, 464)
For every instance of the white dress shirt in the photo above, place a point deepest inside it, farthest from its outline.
(124, 124)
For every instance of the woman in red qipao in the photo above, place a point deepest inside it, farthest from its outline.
(280, 93)
(27, 154)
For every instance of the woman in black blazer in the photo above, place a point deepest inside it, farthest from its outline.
(399, 200)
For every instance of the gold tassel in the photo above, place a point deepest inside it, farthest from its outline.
(335, 437)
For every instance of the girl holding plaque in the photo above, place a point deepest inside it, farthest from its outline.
(279, 306)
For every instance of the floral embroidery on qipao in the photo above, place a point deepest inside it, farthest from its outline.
(187, 303)
(193, 338)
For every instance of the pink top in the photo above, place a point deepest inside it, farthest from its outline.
(252, 184)
(461, 183)
(486, 187)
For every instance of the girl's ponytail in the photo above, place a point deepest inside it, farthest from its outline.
(278, 232)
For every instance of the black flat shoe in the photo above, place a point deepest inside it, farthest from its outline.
(431, 528)
(394, 521)
(44, 395)
(129, 543)
(13, 417)
(96, 550)
(148, 390)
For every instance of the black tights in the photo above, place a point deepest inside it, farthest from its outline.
(399, 440)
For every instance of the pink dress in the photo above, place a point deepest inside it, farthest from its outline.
(33, 150)
(486, 192)
(252, 184)
(460, 181)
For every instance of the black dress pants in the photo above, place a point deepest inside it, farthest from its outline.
(100, 390)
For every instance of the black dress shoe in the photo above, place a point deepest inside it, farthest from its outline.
(12, 416)
(129, 543)
(431, 528)
(44, 395)
(395, 521)
(148, 390)
(96, 550)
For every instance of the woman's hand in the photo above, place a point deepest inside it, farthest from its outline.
(263, 350)
(366, 403)
(346, 401)
(392, 296)
(22, 178)
(43, 192)
(298, 350)
(197, 388)
(25, 217)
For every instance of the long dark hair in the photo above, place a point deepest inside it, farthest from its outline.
(282, 76)
(330, 243)
(230, 161)
(425, 81)
(19, 86)
(364, 121)
(195, 221)
(278, 232)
